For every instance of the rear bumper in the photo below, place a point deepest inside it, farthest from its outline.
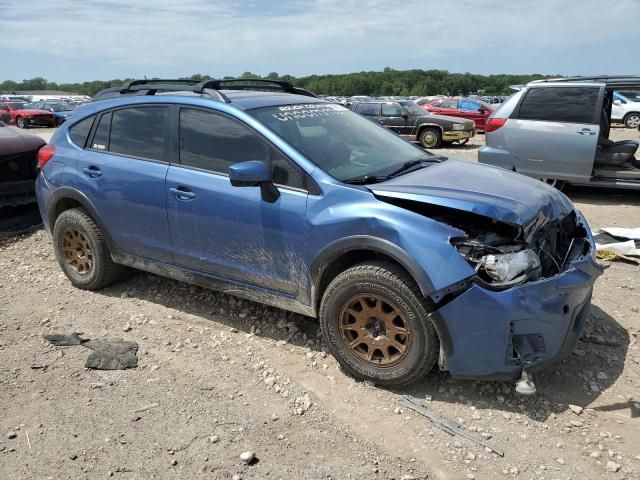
(453, 135)
(493, 335)
(498, 157)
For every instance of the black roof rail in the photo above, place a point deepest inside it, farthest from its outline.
(252, 84)
(210, 88)
(611, 80)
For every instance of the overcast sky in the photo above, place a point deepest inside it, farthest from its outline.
(78, 40)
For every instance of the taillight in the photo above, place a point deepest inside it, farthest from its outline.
(494, 124)
(45, 154)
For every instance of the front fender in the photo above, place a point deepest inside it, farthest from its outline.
(342, 223)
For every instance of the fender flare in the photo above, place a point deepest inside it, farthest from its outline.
(422, 126)
(341, 246)
(63, 193)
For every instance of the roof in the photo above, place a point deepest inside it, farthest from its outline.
(612, 81)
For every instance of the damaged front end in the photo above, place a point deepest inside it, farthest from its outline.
(527, 304)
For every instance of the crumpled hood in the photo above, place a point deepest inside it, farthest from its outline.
(481, 189)
(13, 140)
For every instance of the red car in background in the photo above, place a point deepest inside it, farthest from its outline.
(24, 116)
(469, 108)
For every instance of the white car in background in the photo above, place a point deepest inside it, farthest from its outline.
(625, 110)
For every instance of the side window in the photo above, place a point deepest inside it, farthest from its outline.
(449, 104)
(4, 107)
(469, 106)
(101, 137)
(80, 131)
(284, 173)
(356, 107)
(560, 104)
(214, 142)
(370, 109)
(391, 110)
(139, 132)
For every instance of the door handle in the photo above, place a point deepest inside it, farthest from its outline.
(183, 193)
(92, 171)
(586, 131)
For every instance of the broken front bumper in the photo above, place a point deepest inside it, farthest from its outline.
(493, 335)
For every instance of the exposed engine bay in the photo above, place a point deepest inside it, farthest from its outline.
(499, 252)
(503, 260)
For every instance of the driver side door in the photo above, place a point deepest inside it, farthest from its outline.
(395, 118)
(227, 231)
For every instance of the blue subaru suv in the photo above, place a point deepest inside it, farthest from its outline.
(261, 190)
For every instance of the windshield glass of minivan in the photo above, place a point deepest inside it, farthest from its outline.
(342, 143)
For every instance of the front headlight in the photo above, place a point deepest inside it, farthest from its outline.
(508, 268)
(458, 126)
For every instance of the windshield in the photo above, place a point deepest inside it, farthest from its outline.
(413, 108)
(20, 106)
(58, 107)
(342, 143)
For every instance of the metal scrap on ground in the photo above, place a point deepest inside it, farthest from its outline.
(443, 423)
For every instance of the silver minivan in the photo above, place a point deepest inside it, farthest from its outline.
(558, 131)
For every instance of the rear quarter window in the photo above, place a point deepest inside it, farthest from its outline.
(560, 104)
(139, 132)
(80, 131)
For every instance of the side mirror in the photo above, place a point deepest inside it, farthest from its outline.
(617, 102)
(405, 116)
(254, 173)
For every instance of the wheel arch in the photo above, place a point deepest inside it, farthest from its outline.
(347, 252)
(65, 198)
(422, 126)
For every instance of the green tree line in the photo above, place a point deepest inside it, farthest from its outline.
(387, 82)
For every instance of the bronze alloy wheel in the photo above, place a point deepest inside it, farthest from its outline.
(375, 330)
(77, 251)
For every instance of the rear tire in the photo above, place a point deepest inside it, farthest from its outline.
(375, 322)
(632, 120)
(430, 138)
(82, 252)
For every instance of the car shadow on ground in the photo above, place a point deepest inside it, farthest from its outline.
(603, 196)
(578, 380)
(593, 367)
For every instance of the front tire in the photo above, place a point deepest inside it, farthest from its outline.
(375, 322)
(430, 138)
(632, 120)
(21, 122)
(82, 252)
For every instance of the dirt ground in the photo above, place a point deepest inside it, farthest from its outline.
(219, 376)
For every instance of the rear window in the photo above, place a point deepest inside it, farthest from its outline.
(80, 131)
(560, 104)
(139, 132)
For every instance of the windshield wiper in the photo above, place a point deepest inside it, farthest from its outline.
(366, 179)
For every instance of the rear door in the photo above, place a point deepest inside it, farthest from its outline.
(122, 171)
(553, 132)
(395, 118)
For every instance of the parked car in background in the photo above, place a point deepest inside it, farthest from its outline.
(625, 110)
(558, 131)
(406, 257)
(410, 121)
(468, 108)
(24, 115)
(18, 166)
(60, 110)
